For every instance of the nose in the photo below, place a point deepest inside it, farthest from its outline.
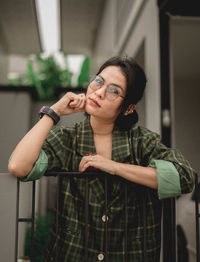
(101, 92)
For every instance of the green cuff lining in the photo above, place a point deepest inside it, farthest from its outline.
(39, 168)
(168, 179)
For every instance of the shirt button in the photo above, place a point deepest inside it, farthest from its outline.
(104, 218)
(100, 257)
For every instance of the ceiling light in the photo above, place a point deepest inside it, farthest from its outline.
(48, 13)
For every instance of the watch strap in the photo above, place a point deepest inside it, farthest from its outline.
(46, 110)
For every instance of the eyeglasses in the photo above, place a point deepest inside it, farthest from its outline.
(112, 91)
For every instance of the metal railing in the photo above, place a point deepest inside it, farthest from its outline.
(197, 216)
(169, 221)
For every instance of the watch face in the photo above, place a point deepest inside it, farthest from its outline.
(42, 109)
(46, 110)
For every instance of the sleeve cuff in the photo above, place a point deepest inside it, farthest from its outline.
(168, 179)
(39, 168)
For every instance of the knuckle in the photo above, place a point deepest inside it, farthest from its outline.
(69, 93)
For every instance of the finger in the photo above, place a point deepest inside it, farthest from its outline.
(70, 97)
(82, 105)
(87, 166)
(75, 103)
(86, 161)
(84, 167)
(83, 161)
(78, 102)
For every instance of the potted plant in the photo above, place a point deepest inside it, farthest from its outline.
(41, 238)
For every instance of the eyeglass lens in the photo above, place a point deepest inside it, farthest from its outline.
(112, 92)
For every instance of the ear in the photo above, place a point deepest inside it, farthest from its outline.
(130, 109)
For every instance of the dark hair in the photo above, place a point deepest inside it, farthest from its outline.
(136, 83)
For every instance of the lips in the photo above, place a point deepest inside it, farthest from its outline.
(94, 101)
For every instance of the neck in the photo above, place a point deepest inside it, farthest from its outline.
(102, 134)
(101, 127)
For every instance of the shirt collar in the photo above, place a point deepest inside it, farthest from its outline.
(85, 141)
(120, 153)
(120, 142)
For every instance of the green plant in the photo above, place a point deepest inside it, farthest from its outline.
(42, 232)
(45, 75)
(83, 78)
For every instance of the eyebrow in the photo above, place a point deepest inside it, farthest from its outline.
(112, 83)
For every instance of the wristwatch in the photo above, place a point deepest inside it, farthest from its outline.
(46, 110)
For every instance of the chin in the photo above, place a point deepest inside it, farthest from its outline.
(90, 109)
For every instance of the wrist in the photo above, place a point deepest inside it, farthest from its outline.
(56, 110)
(116, 167)
(45, 110)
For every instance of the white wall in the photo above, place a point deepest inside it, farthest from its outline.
(15, 122)
(3, 65)
(8, 192)
(185, 110)
(147, 29)
(139, 28)
(17, 63)
(187, 124)
(104, 46)
(185, 86)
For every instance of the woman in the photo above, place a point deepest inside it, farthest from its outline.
(108, 140)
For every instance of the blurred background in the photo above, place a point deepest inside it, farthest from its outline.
(48, 47)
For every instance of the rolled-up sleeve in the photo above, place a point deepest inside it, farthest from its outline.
(175, 176)
(39, 168)
(168, 179)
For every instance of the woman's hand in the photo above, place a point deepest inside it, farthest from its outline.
(98, 162)
(70, 103)
(146, 176)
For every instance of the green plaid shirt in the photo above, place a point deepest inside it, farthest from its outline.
(65, 147)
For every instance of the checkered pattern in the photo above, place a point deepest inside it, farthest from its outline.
(65, 147)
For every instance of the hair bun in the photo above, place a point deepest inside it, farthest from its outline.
(125, 122)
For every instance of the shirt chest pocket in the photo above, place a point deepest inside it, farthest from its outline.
(72, 219)
(70, 227)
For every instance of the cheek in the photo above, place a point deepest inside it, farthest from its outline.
(119, 109)
(89, 91)
(114, 109)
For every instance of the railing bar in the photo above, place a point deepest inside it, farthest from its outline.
(77, 174)
(197, 218)
(106, 218)
(57, 212)
(86, 217)
(17, 219)
(25, 220)
(145, 228)
(126, 220)
(86, 175)
(173, 207)
(169, 230)
(33, 219)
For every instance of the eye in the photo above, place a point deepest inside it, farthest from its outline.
(99, 80)
(113, 89)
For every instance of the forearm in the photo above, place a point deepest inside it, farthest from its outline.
(146, 176)
(27, 151)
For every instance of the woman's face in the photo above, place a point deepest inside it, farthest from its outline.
(99, 102)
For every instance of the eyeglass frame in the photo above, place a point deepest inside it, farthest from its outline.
(100, 85)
